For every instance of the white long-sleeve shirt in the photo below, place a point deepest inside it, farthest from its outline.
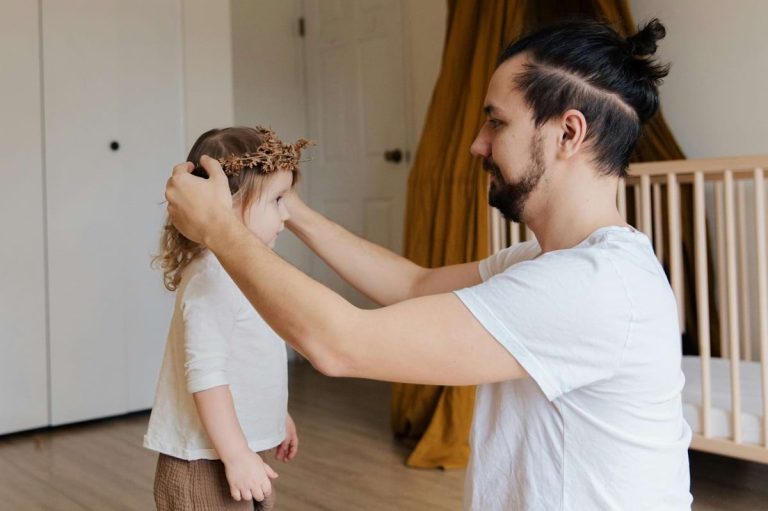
(217, 338)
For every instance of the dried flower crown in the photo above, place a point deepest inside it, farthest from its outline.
(270, 156)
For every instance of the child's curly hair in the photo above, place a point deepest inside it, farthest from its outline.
(249, 157)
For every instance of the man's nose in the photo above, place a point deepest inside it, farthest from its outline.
(480, 147)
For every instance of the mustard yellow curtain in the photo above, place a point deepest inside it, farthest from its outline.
(447, 210)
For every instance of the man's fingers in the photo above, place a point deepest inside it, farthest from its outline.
(213, 167)
(183, 168)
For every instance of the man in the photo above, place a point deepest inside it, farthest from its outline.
(573, 339)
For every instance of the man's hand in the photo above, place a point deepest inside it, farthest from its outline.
(196, 205)
(287, 450)
(249, 477)
(297, 208)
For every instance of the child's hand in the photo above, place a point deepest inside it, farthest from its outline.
(287, 450)
(249, 477)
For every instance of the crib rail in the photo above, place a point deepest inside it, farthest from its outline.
(723, 201)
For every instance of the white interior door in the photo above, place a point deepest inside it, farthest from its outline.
(356, 91)
(23, 351)
(113, 114)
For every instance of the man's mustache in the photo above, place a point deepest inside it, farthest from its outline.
(491, 167)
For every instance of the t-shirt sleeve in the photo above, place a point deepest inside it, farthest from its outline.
(209, 314)
(503, 259)
(565, 317)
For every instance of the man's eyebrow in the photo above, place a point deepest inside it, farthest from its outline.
(489, 109)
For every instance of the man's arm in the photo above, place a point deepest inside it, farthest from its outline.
(432, 339)
(378, 273)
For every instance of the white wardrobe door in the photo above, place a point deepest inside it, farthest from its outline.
(113, 130)
(23, 357)
(153, 139)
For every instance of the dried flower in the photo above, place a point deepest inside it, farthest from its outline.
(271, 155)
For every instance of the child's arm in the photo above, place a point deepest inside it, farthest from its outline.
(287, 450)
(247, 474)
(209, 313)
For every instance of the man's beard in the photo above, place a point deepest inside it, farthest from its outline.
(510, 198)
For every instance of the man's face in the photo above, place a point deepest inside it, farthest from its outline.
(509, 144)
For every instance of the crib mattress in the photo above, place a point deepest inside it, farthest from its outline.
(720, 414)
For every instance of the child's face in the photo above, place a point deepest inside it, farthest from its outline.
(266, 215)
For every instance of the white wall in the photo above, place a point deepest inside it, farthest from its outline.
(268, 68)
(268, 73)
(207, 43)
(268, 82)
(714, 97)
(424, 24)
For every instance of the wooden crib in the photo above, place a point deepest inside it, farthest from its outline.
(723, 202)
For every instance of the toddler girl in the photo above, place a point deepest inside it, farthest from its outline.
(222, 395)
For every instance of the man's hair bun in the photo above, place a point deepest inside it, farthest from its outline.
(643, 43)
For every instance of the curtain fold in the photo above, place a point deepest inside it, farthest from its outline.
(447, 209)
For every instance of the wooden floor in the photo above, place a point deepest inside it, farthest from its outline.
(347, 461)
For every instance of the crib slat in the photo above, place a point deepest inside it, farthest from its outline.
(503, 231)
(645, 206)
(621, 199)
(495, 230)
(733, 306)
(675, 249)
(746, 323)
(514, 233)
(762, 292)
(638, 207)
(529, 234)
(702, 298)
(658, 223)
(722, 277)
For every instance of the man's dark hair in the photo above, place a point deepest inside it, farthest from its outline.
(588, 66)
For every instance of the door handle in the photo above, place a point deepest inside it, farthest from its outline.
(394, 156)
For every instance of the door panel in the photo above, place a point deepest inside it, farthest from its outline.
(105, 84)
(356, 91)
(23, 348)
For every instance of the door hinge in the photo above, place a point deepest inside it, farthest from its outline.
(302, 27)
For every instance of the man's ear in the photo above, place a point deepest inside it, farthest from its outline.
(572, 131)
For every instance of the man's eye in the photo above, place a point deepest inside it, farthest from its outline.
(495, 123)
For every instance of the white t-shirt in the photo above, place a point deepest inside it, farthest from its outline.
(217, 338)
(599, 424)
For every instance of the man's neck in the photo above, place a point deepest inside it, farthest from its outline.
(567, 216)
